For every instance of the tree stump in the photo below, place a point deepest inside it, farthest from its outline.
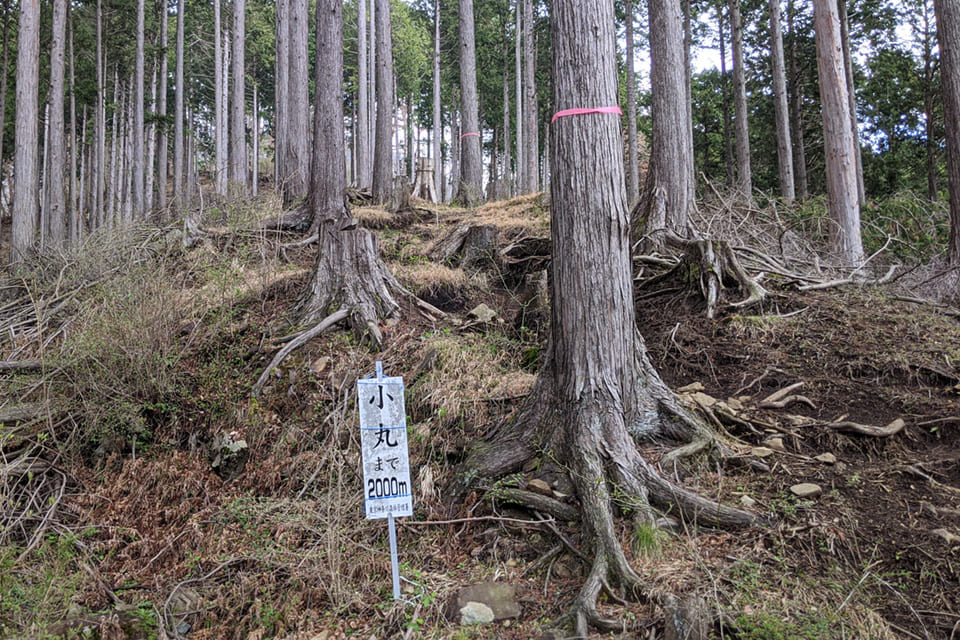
(480, 248)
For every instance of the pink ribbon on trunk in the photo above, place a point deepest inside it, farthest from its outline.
(580, 112)
(469, 134)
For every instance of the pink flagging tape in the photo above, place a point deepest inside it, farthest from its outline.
(580, 112)
(469, 134)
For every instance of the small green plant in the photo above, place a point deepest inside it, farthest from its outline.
(646, 540)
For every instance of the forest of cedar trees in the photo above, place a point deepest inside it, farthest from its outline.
(673, 287)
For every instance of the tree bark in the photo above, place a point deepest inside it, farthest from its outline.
(782, 110)
(238, 130)
(297, 164)
(437, 123)
(948, 37)
(796, 111)
(25, 187)
(4, 73)
(728, 161)
(668, 195)
(55, 161)
(383, 151)
(531, 173)
(364, 166)
(851, 98)
(929, 102)
(471, 167)
(841, 168)
(633, 154)
(138, 158)
(162, 111)
(518, 72)
(179, 199)
(744, 182)
(219, 97)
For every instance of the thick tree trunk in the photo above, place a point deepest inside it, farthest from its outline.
(55, 161)
(383, 151)
(782, 110)
(179, 199)
(297, 163)
(139, 159)
(948, 36)
(633, 154)
(844, 209)
(744, 183)
(531, 172)
(25, 187)
(668, 195)
(219, 98)
(796, 111)
(851, 98)
(929, 102)
(238, 130)
(471, 167)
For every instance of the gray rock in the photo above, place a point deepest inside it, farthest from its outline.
(482, 313)
(230, 455)
(747, 501)
(826, 458)
(498, 597)
(806, 490)
(476, 613)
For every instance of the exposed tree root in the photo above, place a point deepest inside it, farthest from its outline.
(891, 429)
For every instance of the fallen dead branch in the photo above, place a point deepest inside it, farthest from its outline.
(868, 430)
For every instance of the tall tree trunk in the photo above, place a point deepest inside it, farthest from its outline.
(162, 111)
(948, 37)
(364, 165)
(796, 111)
(179, 159)
(782, 110)
(383, 152)
(668, 195)
(98, 180)
(219, 98)
(437, 123)
(929, 103)
(238, 132)
(3, 76)
(75, 199)
(518, 73)
(255, 155)
(372, 92)
(633, 153)
(55, 192)
(744, 183)
(25, 187)
(138, 160)
(841, 167)
(471, 172)
(851, 98)
(297, 162)
(530, 147)
(728, 160)
(507, 161)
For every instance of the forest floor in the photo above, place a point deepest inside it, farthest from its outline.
(122, 528)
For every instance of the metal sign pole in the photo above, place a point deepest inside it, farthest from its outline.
(393, 557)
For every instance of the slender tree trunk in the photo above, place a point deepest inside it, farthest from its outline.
(668, 196)
(851, 98)
(138, 160)
(255, 159)
(219, 97)
(150, 133)
(948, 36)
(25, 204)
(364, 165)
(114, 170)
(372, 93)
(782, 110)
(728, 161)
(744, 182)
(455, 129)
(437, 123)
(796, 111)
(929, 104)
(844, 209)
(383, 152)
(162, 111)
(3, 76)
(179, 158)
(507, 161)
(298, 111)
(238, 132)
(75, 199)
(55, 192)
(471, 176)
(530, 147)
(519, 185)
(98, 180)
(633, 153)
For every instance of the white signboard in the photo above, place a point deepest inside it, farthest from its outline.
(383, 442)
